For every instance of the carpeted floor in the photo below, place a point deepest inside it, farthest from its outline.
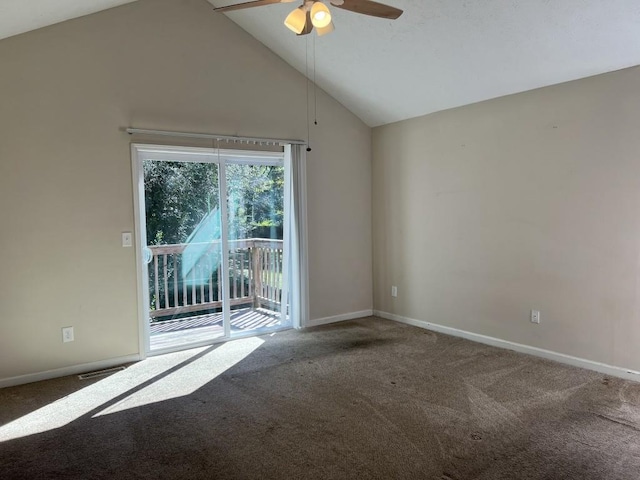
(358, 400)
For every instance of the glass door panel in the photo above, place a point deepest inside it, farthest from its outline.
(183, 252)
(255, 218)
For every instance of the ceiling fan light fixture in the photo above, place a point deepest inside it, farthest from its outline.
(296, 20)
(324, 30)
(320, 15)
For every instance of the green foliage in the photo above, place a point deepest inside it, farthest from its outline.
(255, 201)
(178, 195)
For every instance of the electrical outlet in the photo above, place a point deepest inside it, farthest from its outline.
(535, 316)
(67, 334)
(394, 291)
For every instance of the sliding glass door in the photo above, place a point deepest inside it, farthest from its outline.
(211, 227)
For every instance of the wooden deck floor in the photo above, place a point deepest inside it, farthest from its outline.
(173, 333)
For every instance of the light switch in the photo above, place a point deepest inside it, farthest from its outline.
(127, 239)
(67, 334)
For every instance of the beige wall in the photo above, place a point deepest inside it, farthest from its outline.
(529, 201)
(65, 168)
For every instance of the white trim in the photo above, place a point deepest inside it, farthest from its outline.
(65, 371)
(339, 318)
(516, 347)
(140, 244)
(224, 239)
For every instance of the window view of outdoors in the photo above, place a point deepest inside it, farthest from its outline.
(183, 227)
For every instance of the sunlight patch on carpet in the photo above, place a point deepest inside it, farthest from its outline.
(190, 377)
(140, 384)
(67, 409)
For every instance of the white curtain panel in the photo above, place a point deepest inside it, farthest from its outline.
(296, 238)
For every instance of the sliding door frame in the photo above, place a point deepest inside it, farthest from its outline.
(221, 157)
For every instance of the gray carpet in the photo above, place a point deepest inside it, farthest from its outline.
(358, 400)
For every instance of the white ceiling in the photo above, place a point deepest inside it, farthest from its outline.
(19, 16)
(440, 54)
(445, 53)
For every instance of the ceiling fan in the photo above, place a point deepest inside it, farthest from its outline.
(314, 13)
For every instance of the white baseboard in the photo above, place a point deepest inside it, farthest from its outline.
(101, 365)
(63, 372)
(339, 318)
(517, 347)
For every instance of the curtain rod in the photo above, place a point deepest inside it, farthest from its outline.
(212, 136)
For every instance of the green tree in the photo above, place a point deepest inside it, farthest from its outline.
(178, 195)
(255, 206)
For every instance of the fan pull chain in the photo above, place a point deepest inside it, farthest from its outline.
(315, 86)
(306, 56)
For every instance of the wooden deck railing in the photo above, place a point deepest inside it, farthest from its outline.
(185, 278)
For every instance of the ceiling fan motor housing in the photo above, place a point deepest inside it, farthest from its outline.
(314, 13)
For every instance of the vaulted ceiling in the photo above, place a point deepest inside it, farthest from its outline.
(438, 55)
(445, 53)
(19, 16)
